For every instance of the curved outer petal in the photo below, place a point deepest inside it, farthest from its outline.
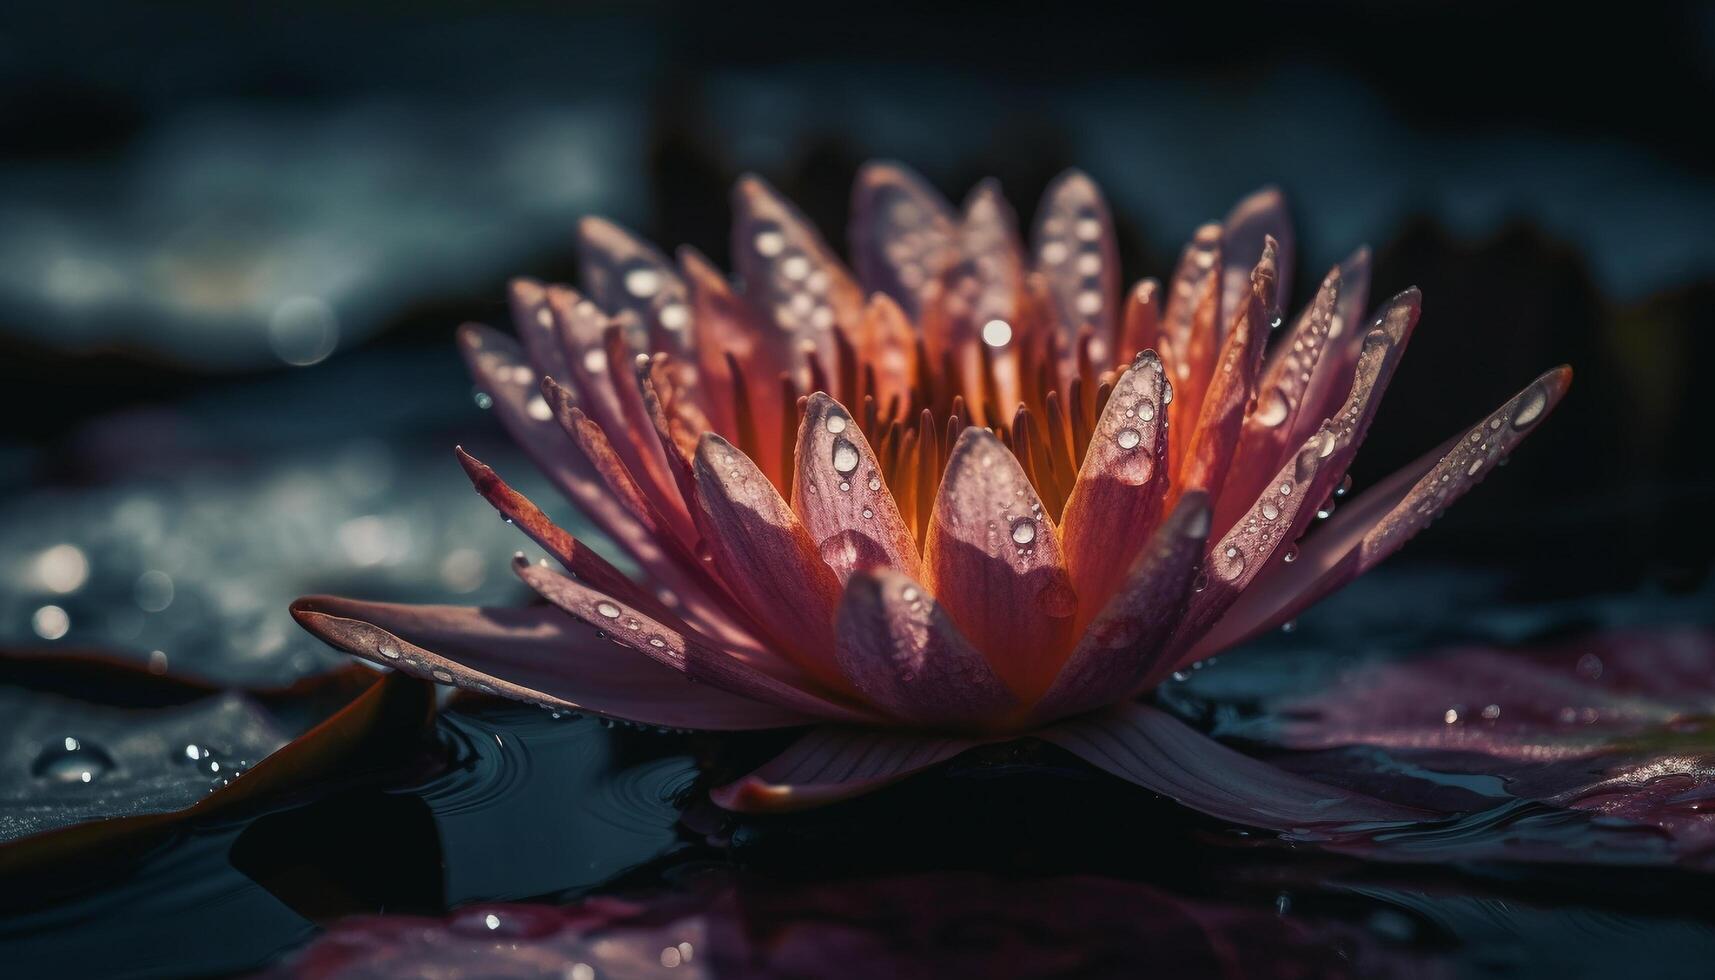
(832, 764)
(903, 654)
(1153, 749)
(666, 642)
(1378, 523)
(993, 557)
(839, 493)
(901, 233)
(539, 655)
(1076, 254)
(1287, 503)
(624, 273)
(1125, 649)
(790, 276)
(766, 558)
(1256, 218)
(1116, 501)
(1333, 373)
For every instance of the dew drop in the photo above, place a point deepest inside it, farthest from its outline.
(607, 609)
(1145, 411)
(874, 484)
(1023, 530)
(1269, 510)
(835, 424)
(1530, 408)
(445, 677)
(71, 760)
(845, 456)
(1290, 626)
(1128, 438)
(1291, 554)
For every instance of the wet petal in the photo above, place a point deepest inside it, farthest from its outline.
(539, 655)
(1375, 525)
(666, 641)
(1125, 649)
(534, 321)
(1259, 216)
(1334, 369)
(1286, 505)
(790, 276)
(1142, 325)
(839, 493)
(766, 558)
(1116, 501)
(886, 342)
(729, 332)
(832, 764)
(624, 273)
(1160, 753)
(1077, 257)
(993, 557)
(901, 234)
(1231, 386)
(1190, 332)
(900, 650)
(1279, 399)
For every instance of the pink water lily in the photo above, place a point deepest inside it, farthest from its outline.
(966, 493)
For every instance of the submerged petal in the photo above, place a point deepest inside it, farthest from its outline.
(993, 557)
(842, 497)
(1153, 749)
(1116, 501)
(832, 764)
(900, 651)
(1378, 523)
(539, 655)
(1125, 648)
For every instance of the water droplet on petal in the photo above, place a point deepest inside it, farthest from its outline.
(1128, 438)
(835, 424)
(1530, 407)
(845, 456)
(1023, 530)
(71, 760)
(607, 609)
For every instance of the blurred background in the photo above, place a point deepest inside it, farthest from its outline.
(234, 244)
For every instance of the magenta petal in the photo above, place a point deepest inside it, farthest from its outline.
(832, 764)
(901, 234)
(1151, 748)
(903, 654)
(1260, 216)
(539, 655)
(1077, 257)
(625, 274)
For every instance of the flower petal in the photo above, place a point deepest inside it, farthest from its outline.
(903, 654)
(841, 497)
(667, 642)
(1375, 525)
(791, 278)
(1153, 749)
(1334, 369)
(832, 764)
(1279, 399)
(901, 233)
(1078, 258)
(1125, 648)
(1256, 218)
(534, 321)
(1190, 332)
(1116, 501)
(625, 274)
(1231, 386)
(1142, 326)
(1287, 503)
(539, 655)
(766, 558)
(993, 557)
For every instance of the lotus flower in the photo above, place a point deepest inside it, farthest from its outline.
(958, 493)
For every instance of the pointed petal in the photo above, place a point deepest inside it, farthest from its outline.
(1116, 500)
(1375, 525)
(1190, 332)
(624, 273)
(901, 233)
(1142, 326)
(993, 557)
(790, 276)
(725, 325)
(886, 342)
(1260, 216)
(832, 764)
(538, 655)
(534, 321)
(902, 652)
(1125, 649)
(767, 558)
(1078, 258)
(1279, 399)
(1231, 386)
(983, 285)
(1284, 508)
(839, 494)
(1153, 749)
(667, 642)
(1333, 373)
